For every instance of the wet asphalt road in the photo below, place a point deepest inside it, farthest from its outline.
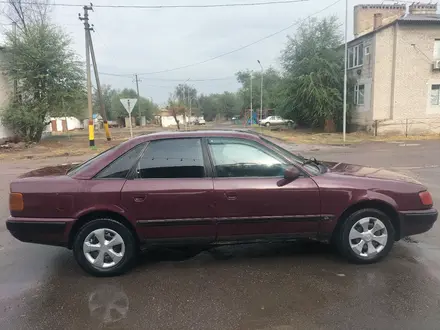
(278, 286)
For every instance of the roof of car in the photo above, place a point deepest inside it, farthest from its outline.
(201, 133)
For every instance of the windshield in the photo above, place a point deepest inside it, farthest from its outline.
(295, 158)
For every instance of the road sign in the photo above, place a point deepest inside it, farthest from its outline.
(128, 104)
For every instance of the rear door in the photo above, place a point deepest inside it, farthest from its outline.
(171, 196)
(249, 203)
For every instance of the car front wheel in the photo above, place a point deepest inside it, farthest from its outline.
(105, 247)
(267, 124)
(366, 236)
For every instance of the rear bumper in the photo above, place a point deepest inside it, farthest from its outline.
(417, 222)
(41, 231)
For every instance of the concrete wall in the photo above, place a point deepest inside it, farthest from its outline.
(5, 89)
(409, 101)
(363, 114)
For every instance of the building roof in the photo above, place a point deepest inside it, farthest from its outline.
(407, 19)
(433, 18)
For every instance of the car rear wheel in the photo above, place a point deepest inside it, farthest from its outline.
(366, 236)
(105, 247)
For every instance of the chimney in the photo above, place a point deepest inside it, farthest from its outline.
(423, 9)
(377, 21)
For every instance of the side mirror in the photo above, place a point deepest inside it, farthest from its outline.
(290, 174)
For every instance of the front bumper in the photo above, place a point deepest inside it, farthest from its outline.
(41, 231)
(416, 222)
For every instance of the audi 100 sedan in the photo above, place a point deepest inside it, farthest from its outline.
(209, 188)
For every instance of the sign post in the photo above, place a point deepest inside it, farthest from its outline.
(129, 105)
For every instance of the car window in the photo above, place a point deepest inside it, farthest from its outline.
(172, 158)
(120, 167)
(239, 158)
(87, 163)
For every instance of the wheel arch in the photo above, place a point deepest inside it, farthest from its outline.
(380, 205)
(99, 214)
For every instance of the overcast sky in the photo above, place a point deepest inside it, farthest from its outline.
(129, 41)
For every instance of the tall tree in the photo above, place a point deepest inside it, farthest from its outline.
(185, 94)
(49, 77)
(107, 94)
(312, 88)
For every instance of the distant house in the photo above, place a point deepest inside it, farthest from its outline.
(395, 61)
(64, 124)
(165, 118)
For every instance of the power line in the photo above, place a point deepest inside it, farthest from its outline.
(164, 79)
(245, 46)
(217, 5)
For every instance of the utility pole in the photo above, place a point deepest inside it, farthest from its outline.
(261, 92)
(139, 98)
(98, 86)
(89, 81)
(251, 100)
(14, 31)
(344, 114)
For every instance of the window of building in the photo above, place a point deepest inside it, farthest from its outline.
(173, 158)
(437, 49)
(359, 92)
(238, 158)
(367, 50)
(355, 56)
(435, 94)
(119, 168)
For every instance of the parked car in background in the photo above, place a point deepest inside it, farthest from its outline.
(200, 121)
(207, 188)
(276, 121)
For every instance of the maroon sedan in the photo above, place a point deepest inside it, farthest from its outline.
(209, 188)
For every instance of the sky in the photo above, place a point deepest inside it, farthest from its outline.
(143, 41)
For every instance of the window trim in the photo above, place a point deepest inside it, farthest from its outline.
(356, 94)
(354, 54)
(133, 174)
(253, 143)
(438, 96)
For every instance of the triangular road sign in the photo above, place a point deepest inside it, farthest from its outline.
(128, 104)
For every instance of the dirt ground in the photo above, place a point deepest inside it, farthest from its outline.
(77, 144)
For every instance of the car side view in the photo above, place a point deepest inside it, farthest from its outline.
(206, 188)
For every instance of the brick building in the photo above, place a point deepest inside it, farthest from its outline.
(395, 61)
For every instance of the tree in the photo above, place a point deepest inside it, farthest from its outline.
(271, 85)
(107, 94)
(185, 93)
(49, 76)
(118, 111)
(312, 89)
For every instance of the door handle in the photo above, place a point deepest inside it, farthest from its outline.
(139, 199)
(231, 196)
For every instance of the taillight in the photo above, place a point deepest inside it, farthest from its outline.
(425, 198)
(16, 202)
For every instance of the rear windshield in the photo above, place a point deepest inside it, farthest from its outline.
(87, 163)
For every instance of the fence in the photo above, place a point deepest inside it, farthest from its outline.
(407, 126)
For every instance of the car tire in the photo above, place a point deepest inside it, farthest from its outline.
(366, 236)
(122, 254)
(267, 124)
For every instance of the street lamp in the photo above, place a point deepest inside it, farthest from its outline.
(261, 92)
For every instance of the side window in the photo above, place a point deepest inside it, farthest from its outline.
(238, 158)
(120, 167)
(173, 158)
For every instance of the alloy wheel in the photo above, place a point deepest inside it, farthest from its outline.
(368, 237)
(103, 248)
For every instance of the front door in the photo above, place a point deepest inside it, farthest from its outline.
(171, 198)
(250, 204)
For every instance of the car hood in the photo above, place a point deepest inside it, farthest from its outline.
(49, 171)
(369, 172)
